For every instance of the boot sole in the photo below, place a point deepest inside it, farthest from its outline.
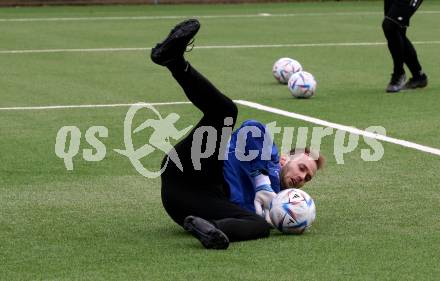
(185, 30)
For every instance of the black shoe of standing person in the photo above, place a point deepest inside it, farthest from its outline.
(396, 84)
(415, 82)
(172, 48)
(210, 236)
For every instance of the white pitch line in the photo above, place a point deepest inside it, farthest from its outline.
(346, 44)
(86, 106)
(199, 16)
(87, 50)
(258, 106)
(352, 130)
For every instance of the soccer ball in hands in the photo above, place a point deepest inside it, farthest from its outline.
(284, 68)
(292, 211)
(302, 85)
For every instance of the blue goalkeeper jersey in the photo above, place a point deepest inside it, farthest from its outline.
(240, 173)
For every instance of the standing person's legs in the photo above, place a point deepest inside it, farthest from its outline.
(411, 58)
(419, 78)
(393, 34)
(397, 18)
(406, 11)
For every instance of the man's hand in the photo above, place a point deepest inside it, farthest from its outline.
(262, 201)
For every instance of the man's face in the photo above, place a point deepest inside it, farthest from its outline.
(296, 172)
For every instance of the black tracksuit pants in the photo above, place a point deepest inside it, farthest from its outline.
(397, 17)
(203, 192)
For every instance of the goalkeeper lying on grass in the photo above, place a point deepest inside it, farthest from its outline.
(225, 196)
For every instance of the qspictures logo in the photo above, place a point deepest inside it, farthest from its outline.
(204, 141)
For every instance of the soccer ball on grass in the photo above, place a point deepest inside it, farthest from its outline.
(302, 84)
(284, 68)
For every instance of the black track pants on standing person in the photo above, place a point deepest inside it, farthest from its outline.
(397, 17)
(204, 193)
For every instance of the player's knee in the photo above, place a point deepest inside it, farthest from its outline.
(230, 110)
(234, 111)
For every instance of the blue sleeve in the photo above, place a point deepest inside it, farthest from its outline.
(264, 146)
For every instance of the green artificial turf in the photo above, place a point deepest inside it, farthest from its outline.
(104, 221)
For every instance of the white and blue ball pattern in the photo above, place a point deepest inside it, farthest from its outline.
(292, 211)
(302, 85)
(283, 69)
